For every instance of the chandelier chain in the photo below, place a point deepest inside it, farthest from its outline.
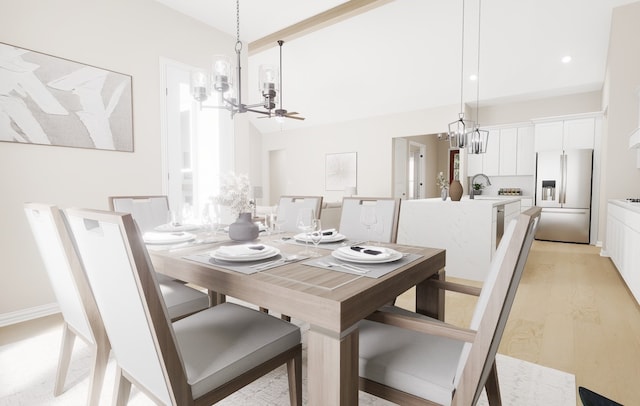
(238, 42)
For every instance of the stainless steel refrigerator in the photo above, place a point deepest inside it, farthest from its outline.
(563, 191)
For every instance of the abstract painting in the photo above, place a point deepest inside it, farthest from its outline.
(341, 171)
(54, 101)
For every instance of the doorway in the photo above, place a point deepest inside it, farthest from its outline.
(417, 160)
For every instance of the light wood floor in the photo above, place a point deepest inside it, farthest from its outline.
(572, 312)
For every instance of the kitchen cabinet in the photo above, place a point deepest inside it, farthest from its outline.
(525, 153)
(510, 152)
(623, 240)
(563, 134)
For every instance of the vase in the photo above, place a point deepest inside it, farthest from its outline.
(455, 190)
(243, 229)
(444, 193)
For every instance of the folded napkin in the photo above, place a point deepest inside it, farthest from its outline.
(241, 250)
(330, 232)
(159, 237)
(365, 252)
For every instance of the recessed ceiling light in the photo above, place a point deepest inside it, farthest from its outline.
(473, 77)
(566, 59)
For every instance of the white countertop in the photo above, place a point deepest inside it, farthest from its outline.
(478, 200)
(635, 207)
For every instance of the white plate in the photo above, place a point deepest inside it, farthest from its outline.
(242, 253)
(181, 227)
(325, 238)
(343, 254)
(152, 237)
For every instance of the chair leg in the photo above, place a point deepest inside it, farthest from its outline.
(492, 386)
(294, 374)
(121, 390)
(66, 347)
(98, 369)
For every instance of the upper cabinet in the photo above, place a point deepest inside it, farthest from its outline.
(509, 153)
(563, 134)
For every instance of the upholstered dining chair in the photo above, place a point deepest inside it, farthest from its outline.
(288, 207)
(411, 359)
(385, 226)
(197, 360)
(73, 294)
(150, 212)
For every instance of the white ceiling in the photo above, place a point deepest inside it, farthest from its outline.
(406, 55)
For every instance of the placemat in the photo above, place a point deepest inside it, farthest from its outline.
(246, 268)
(367, 270)
(327, 246)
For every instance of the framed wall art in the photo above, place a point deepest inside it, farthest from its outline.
(54, 101)
(341, 171)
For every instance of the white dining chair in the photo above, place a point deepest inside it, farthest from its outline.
(288, 207)
(73, 294)
(197, 360)
(385, 227)
(150, 212)
(408, 358)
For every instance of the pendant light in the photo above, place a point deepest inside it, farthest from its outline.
(459, 129)
(229, 93)
(478, 139)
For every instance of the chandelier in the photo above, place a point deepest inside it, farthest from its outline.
(459, 129)
(220, 82)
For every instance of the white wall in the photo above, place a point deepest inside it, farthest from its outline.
(620, 176)
(127, 36)
(370, 138)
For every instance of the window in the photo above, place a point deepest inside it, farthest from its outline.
(192, 145)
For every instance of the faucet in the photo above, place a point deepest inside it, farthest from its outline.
(473, 181)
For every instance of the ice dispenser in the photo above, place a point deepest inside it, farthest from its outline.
(548, 190)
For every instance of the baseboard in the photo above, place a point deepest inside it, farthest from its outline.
(31, 313)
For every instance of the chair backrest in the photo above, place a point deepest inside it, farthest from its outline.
(148, 211)
(493, 307)
(288, 208)
(128, 296)
(387, 211)
(67, 278)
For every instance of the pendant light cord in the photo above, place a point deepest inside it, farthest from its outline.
(462, 64)
(478, 74)
(280, 42)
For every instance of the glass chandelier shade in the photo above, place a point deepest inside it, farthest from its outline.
(221, 73)
(269, 85)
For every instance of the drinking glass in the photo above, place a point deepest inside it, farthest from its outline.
(316, 235)
(378, 231)
(368, 218)
(304, 223)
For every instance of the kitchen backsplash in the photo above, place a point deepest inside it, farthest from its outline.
(524, 183)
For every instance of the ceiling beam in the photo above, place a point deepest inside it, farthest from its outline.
(334, 15)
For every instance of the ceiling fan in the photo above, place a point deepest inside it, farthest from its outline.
(280, 112)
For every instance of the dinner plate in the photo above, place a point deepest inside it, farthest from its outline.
(244, 253)
(325, 238)
(176, 227)
(152, 237)
(347, 254)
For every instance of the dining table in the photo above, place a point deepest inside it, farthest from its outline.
(312, 285)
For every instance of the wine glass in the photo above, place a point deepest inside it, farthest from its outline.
(368, 218)
(304, 224)
(378, 230)
(316, 235)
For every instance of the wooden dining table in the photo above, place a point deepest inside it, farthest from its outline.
(330, 301)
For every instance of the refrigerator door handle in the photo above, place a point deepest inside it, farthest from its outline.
(563, 179)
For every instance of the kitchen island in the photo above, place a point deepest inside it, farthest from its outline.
(469, 230)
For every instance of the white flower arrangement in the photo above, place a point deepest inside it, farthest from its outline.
(234, 193)
(441, 181)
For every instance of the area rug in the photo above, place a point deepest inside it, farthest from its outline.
(27, 373)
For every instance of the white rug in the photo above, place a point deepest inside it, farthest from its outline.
(27, 373)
